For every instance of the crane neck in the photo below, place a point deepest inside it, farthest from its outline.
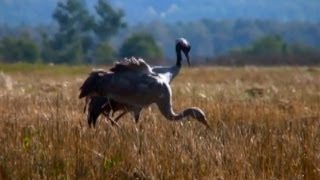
(179, 57)
(166, 110)
(189, 112)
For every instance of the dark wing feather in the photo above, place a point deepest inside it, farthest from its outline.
(119, 68)
(92, 83)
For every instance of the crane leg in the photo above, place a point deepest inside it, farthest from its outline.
(136, 114)
(85, 105)
(113, 122)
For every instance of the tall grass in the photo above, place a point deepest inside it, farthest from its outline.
(265, 125)
(43, 69)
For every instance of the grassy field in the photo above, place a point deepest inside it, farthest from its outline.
(265, 125)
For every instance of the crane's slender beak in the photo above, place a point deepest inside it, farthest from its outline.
(187, 57)
(186, 51)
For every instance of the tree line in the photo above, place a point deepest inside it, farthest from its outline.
(271, 50)
(80, 36)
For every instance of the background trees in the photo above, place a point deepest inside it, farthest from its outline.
(16, 49)
(108, 22)
(81, 37)
(271, 50)
(72, 43)
(105, 54)
(141, 45)
(95, 33)
(268, 45)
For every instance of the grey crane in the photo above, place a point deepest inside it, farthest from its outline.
(132, 82)
(106, 106)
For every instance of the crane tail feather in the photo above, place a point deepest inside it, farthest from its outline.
(91, 84)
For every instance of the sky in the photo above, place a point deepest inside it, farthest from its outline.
(189, 10)
(40, 11)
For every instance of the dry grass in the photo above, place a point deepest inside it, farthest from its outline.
(265, 125)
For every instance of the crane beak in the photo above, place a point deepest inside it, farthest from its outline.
(186, 51)
(188, 60)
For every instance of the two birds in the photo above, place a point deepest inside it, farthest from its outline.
(132, 85)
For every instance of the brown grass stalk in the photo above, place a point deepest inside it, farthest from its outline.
(265, 125)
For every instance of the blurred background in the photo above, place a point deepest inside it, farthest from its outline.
(99, 32)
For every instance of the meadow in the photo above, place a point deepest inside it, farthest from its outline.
(265, 124)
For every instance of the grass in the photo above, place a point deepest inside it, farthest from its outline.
(265, 125)
(43, 69)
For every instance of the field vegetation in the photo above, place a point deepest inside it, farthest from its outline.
(265, 125)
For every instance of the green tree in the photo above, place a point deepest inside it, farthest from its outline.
(73, 42)
(18, 49)
(109, 21)
(81, 36)
(272, 44)
(105, 54)
(141, 45)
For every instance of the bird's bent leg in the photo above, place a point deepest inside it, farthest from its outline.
(118, 118)
(113, 122)
(108, 117)
(106, 114)
(90, 121)
(85, 105)
(136, 114)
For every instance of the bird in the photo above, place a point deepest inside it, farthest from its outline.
(132, 82)
(106, 106)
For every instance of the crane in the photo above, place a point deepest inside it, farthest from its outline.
(108, 107)
(132, 82)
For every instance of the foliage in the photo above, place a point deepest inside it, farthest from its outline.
(141, 45)
(73, 41)
(209, 39)
(18, 49)
(212, 38)
(271, 50)
(109, 20)
(80, 33)
(105, 54)
(268, 45)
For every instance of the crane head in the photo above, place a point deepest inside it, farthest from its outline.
(185, 47)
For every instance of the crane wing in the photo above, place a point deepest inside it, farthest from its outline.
(132, 64)
(92, 83)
